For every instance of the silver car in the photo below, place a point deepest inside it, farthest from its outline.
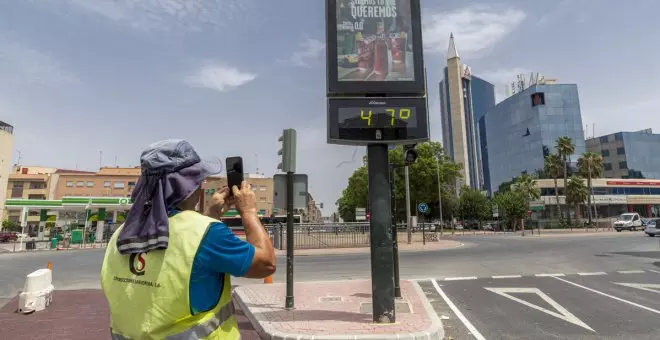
(651, 228)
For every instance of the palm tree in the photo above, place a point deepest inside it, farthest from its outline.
(590, 165)
(565, 149)
(527, 187)
(555, 168)
(576, 193)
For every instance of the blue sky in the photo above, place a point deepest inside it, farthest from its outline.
(82, 76)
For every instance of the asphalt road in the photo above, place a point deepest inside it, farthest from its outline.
(463, 274)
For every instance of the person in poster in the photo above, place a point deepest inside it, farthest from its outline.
(374, 40)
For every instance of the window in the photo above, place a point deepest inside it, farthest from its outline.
(620, 151)
(607, 166)
(262, 199)
(80, 184)
(90, 184)
(106, 184)
(253, 187)
(119, 185)
(262, 188)
(69, 184)
(538, 99)
(605, 153)
(131, 184)
(618, 136)
(623, 165)
(603, 139)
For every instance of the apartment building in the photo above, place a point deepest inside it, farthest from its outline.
(107, 182)
(6, 148)
(261, 185)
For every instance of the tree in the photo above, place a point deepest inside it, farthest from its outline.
(423, 183)
(526, 185)
(11, 226)
(355, 195)
(565, 149)
(553, 166)
(576, 194)
(474, 205)
(590, 165)
(512, 206)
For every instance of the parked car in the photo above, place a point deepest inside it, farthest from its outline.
(628, 221)
(651, 227)
(6, 236)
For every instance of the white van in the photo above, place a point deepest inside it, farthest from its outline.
(628, 221)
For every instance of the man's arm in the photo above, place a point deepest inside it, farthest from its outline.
(264, 261)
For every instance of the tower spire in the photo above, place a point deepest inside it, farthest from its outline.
(452, 52)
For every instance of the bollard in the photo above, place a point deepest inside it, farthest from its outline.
(49, 265)
(268, 279)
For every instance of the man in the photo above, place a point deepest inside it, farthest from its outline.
(166, 271)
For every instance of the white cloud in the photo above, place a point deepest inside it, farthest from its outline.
(476, 28)
(161, 14)
(308, 50)
(219, 77)
(22, 64)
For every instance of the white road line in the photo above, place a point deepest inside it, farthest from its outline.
(506, 276)
(610, 296)
(654, 271)
(549, 275)
(460, 278)
(592, 274)
(458, 313)
(630, 271)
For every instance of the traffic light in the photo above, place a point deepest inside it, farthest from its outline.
(409, 154)
(288, 151)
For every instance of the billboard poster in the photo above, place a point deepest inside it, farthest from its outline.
(375, 41)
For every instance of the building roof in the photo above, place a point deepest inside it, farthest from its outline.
(452, 52)
(66, 171)
(28, 177)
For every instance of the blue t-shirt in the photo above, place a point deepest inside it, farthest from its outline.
(220, 252)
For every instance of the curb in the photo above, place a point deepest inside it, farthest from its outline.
(434, 332)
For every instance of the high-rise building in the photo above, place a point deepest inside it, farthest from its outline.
(520, 131)
(464, 99)
(6, 148)
(628, 154)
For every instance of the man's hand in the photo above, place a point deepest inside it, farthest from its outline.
(245, 200)
(221, 202)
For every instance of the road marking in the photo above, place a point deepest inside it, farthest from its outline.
(649, 287)
(654, 271)
(592, 274)
(630, 272)
(563, 313)
(507, 276)
(610, 296)
(460, 278)
(549, 275)
(458, 313)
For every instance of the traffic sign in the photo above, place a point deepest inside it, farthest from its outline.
(423, 208)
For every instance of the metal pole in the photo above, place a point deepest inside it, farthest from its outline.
(382, 260)
(408, 222)
(423, 231)
(25, 211)
(395, 236)
(437, 160)
(289, 240)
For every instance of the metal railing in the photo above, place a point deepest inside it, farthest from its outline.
(318, 236)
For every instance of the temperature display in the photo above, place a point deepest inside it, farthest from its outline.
(377, 117)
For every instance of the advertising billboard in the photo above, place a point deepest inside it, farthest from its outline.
(374, 46)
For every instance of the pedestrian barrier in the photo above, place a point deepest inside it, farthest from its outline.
(37, 293)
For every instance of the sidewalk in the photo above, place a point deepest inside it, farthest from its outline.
(403, 248)
(75, 315)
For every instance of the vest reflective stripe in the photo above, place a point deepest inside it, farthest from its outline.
(205, 329)
(200, 331)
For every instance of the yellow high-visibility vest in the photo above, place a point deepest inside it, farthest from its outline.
(148, 293)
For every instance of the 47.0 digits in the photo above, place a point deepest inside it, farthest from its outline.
(403, 114)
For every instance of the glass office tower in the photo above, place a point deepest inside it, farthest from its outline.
(629, 154)
(519, 132)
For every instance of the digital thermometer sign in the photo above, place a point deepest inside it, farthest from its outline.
(361, 121)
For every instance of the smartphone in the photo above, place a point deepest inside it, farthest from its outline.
(234, 172)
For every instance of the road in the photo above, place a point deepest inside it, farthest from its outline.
(583, 275)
